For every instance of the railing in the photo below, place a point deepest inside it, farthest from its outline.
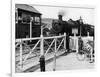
(20, 43)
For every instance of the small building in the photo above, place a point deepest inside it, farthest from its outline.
(27, 20)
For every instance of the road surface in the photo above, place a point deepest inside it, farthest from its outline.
(68, 62)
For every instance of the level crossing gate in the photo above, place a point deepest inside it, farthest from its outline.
(42, 47)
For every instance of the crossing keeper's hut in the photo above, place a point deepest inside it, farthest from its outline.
(27, 21)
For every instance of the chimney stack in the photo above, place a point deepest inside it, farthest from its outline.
(60, 17)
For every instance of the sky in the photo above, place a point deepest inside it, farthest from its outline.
(69, 12)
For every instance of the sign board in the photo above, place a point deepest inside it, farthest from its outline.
(74, 31)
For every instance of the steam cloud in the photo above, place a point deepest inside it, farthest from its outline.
(61, 12)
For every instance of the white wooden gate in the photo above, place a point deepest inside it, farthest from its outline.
(73, 43)
(24, 50)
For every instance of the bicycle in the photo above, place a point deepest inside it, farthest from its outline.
(85, 52)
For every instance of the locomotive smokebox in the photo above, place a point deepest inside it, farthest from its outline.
(60, 17)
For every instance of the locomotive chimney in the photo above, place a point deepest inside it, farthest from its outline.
(60, 17)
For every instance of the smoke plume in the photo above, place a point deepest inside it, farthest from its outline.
(61, 12)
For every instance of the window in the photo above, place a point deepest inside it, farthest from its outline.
(16, 17)
(26, 18)
(37, 21)
(19, 16)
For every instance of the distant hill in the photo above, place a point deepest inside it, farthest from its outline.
(47, 19)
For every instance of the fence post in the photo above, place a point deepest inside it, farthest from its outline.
(31, 27)
(54, 68)
(77, 46)
(42, 57)
(91, 55)
(65, 41)
(75, 43)
(42, 45)
(21, 55)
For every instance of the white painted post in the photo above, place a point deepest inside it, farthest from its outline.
(65, 41)
(21, 55)
(42, 42)
(54, 68)
(42, 57)
(42, 45)
(41, 30)
(16, 10)
(77, 45)
(74, 41)
(31, 27)
(91, 54)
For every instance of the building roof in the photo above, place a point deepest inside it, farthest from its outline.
(27, 7)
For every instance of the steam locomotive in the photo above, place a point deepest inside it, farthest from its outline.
(60, 26)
